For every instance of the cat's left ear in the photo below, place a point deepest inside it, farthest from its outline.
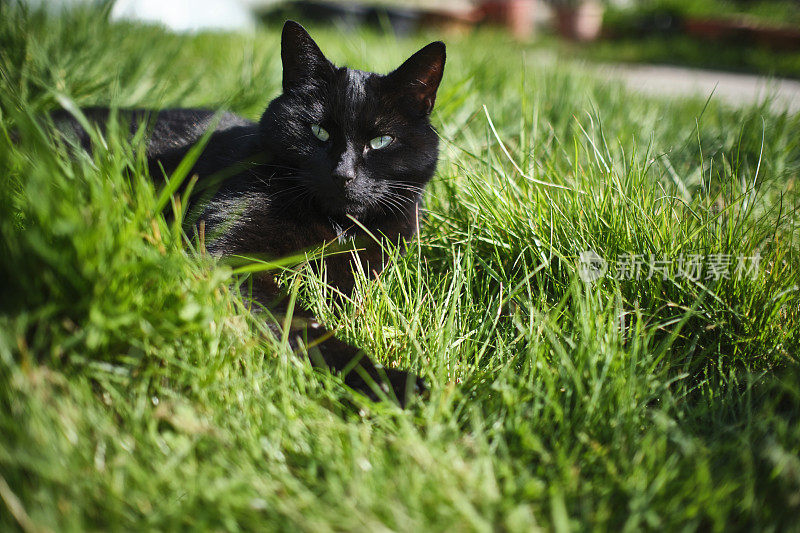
(421, 74)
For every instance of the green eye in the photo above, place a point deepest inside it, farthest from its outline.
(319, 132)
(381, 142)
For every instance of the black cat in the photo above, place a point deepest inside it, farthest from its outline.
(339, 145)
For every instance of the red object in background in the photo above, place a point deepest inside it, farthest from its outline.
(516, 15)
(581, 22)
(744, 30)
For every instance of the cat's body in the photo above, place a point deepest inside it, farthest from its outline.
(340, 157)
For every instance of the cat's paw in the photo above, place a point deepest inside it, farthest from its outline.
(362, 374)
(379, 383)
(406, 385)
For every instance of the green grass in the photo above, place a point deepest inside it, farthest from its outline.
(775, 12)
(683, 50)
(653, 31)
(137, 392)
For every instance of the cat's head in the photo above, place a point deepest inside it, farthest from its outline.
(352, 142)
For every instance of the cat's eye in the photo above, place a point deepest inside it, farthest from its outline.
(319, 132)
(381, 142)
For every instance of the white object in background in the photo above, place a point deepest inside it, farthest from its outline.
(187, 15)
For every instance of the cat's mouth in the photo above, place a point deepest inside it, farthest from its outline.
(341, 207)
(338, 202)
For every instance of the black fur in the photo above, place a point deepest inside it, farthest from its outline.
(286, 191)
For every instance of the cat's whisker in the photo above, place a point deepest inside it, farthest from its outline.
(393, 206)
(406, 192)
(407, 185)
(256, 164)
(404, 186)
(246, 136)
(401, 199)
(420, 191)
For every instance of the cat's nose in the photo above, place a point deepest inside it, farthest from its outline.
(342, 179)
(344, 172)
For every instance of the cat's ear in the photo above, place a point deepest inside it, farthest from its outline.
(300, 55)
(420, 75)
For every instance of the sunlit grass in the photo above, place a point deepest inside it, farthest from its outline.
(137, 390)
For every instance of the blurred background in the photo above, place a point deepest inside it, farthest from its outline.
(770, 23)
(653, 46)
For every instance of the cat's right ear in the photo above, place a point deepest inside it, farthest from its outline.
(300, 55)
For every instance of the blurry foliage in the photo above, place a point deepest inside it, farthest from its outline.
(654, 31)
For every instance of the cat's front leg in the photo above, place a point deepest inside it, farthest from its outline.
(327, 352)
(357, 370)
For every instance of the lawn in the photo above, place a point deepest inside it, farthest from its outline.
(657, 31)
(138, 392)
(685, 51)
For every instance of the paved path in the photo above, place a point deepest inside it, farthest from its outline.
(733, 89)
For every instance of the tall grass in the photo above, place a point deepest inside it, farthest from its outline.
(138, 391)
